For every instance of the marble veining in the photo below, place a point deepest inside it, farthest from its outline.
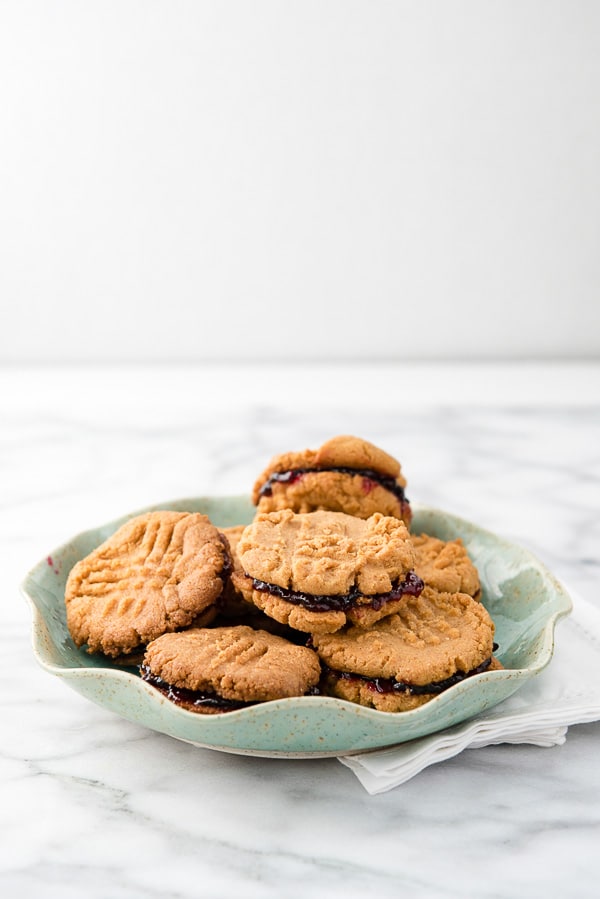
(95, 805)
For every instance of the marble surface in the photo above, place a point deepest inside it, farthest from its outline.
(92, 804)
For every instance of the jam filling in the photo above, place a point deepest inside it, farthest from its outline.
(390, 685)
(412, 585)
(227, 563)
(370, 479)
(191, 698)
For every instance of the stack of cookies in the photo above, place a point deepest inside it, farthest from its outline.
(325, 592)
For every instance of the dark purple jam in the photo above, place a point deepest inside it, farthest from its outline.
(227, 563)
(412, 585)
(390, 685)
(370, 477)
(191, 699)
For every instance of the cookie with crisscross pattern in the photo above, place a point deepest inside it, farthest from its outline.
(434, 641)
(214, 669)
(315, 571)
(157, 573)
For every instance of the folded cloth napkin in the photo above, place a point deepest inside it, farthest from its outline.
(566, 692)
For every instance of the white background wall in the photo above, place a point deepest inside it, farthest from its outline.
(346, 180)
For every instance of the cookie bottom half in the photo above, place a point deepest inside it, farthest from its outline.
(193, 700)
(355, 492)
(328, 614)
(387, 695)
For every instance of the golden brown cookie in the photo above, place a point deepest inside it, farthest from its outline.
(156, 573)
(346, 474)
(315, 571)
(219, 669)
(405, 660)
(445, 565)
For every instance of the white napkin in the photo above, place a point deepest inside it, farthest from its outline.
(566, 692)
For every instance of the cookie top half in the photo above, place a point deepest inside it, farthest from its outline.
(326, 553)
(236, 663)
(158, 572)
(429, 639)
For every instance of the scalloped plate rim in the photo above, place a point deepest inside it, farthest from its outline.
(356, 712)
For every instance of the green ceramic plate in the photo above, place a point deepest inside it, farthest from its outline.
(524, 599)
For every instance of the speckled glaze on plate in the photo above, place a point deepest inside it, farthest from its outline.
(522, 596)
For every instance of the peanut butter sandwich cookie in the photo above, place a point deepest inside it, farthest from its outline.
(159, 572)
(434, 641)
(220, 669)
(445, 565)
(346, 474)
(316, 571)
